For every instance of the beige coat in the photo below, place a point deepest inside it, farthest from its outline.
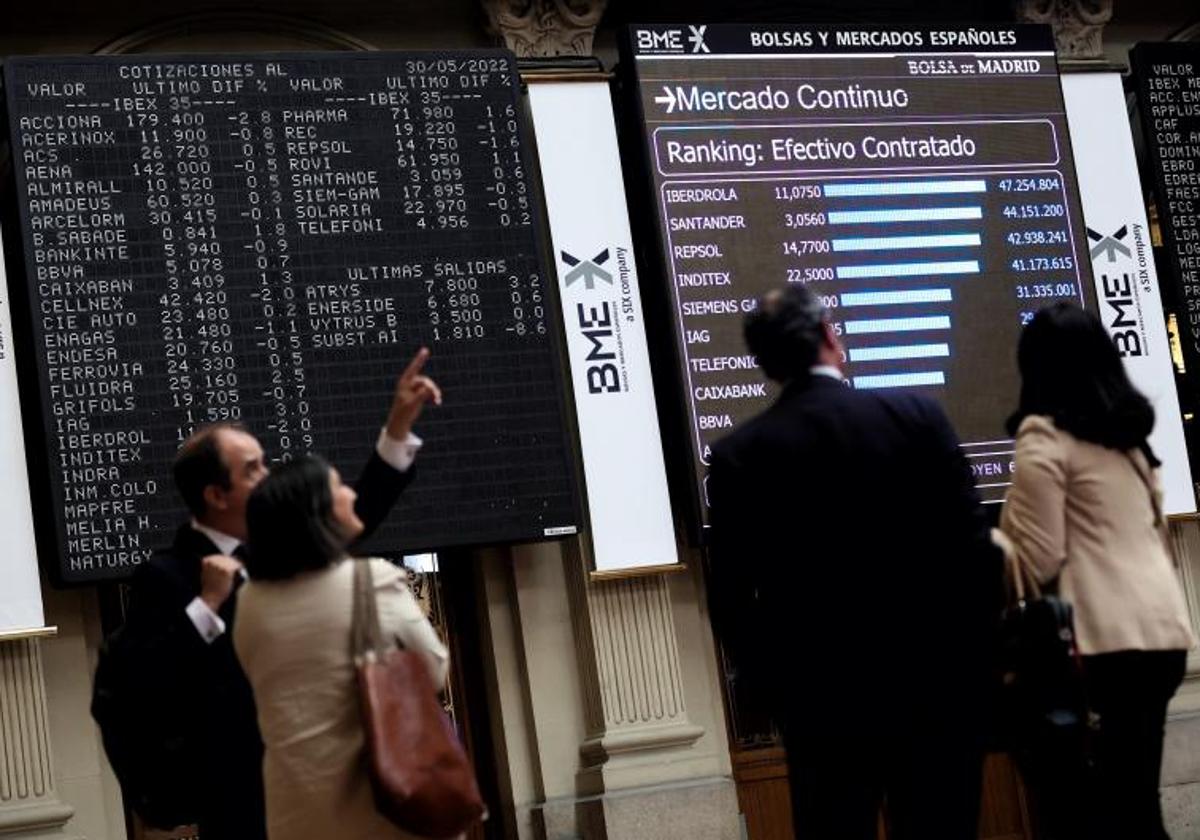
(293, 640)
(1084, 514)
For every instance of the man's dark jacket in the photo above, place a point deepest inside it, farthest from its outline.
(852, 570)
(199, 753)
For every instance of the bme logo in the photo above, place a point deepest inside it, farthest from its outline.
(672, 40)
(1112, 259)
(589, 271)
(1110, 246)
(595, 323)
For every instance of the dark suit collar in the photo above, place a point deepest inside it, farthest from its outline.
(181, 562)
(192, 544)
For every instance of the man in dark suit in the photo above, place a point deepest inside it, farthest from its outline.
(855, 584)
(207, 763)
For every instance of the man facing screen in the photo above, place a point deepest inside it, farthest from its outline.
(854, 581)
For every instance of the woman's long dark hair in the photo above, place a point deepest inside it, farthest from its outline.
(1071, 372)
(290, 524)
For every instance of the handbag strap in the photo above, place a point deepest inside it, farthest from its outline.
(1022, 587)
(1014, 574)
(1025, 588)
(366, 637)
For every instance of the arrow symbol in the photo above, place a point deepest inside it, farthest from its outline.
(668, 99)
(589, 271)
(1109, 246)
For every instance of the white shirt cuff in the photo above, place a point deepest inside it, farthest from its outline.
(207, 623)
(398, 454)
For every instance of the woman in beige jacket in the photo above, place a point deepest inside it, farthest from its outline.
(1084, 514)
(293, 639)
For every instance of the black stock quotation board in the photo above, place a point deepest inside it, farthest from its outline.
(919, 180)
(268, 240)
(1168, 84)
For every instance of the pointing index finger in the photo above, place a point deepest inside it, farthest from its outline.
(418, 362)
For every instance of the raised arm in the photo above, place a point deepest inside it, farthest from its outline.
(390, 467)
(413, 392)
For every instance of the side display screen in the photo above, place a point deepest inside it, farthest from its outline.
(1168, 85)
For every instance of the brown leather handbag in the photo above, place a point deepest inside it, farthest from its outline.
(422, 778)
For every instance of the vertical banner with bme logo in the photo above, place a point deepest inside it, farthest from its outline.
(630, 510)
(1127, 289)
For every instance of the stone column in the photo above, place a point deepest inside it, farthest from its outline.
(1078, 25)
(629, 662)
(644, 767)
(637, 758)
(29, 807)
(605, 700)
(545, 28)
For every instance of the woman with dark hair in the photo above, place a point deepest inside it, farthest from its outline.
(293, 639)
(1085, 514)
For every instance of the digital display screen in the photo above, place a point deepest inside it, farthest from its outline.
(268, 239)
(1168, 85)
(918, 180)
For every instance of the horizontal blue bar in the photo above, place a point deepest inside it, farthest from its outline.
(904, 188)
(885, 325)
(890, 243)
(900, 380)
(858, 272)
(915, 214)
(897, 298)
(906, 351)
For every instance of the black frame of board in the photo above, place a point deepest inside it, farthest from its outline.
(666, 345)
(14, 223)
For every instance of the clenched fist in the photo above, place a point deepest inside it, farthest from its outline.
(218, 574)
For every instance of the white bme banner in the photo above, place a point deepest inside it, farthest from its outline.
(20, 592)
(629, 506)
(1127, 289)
